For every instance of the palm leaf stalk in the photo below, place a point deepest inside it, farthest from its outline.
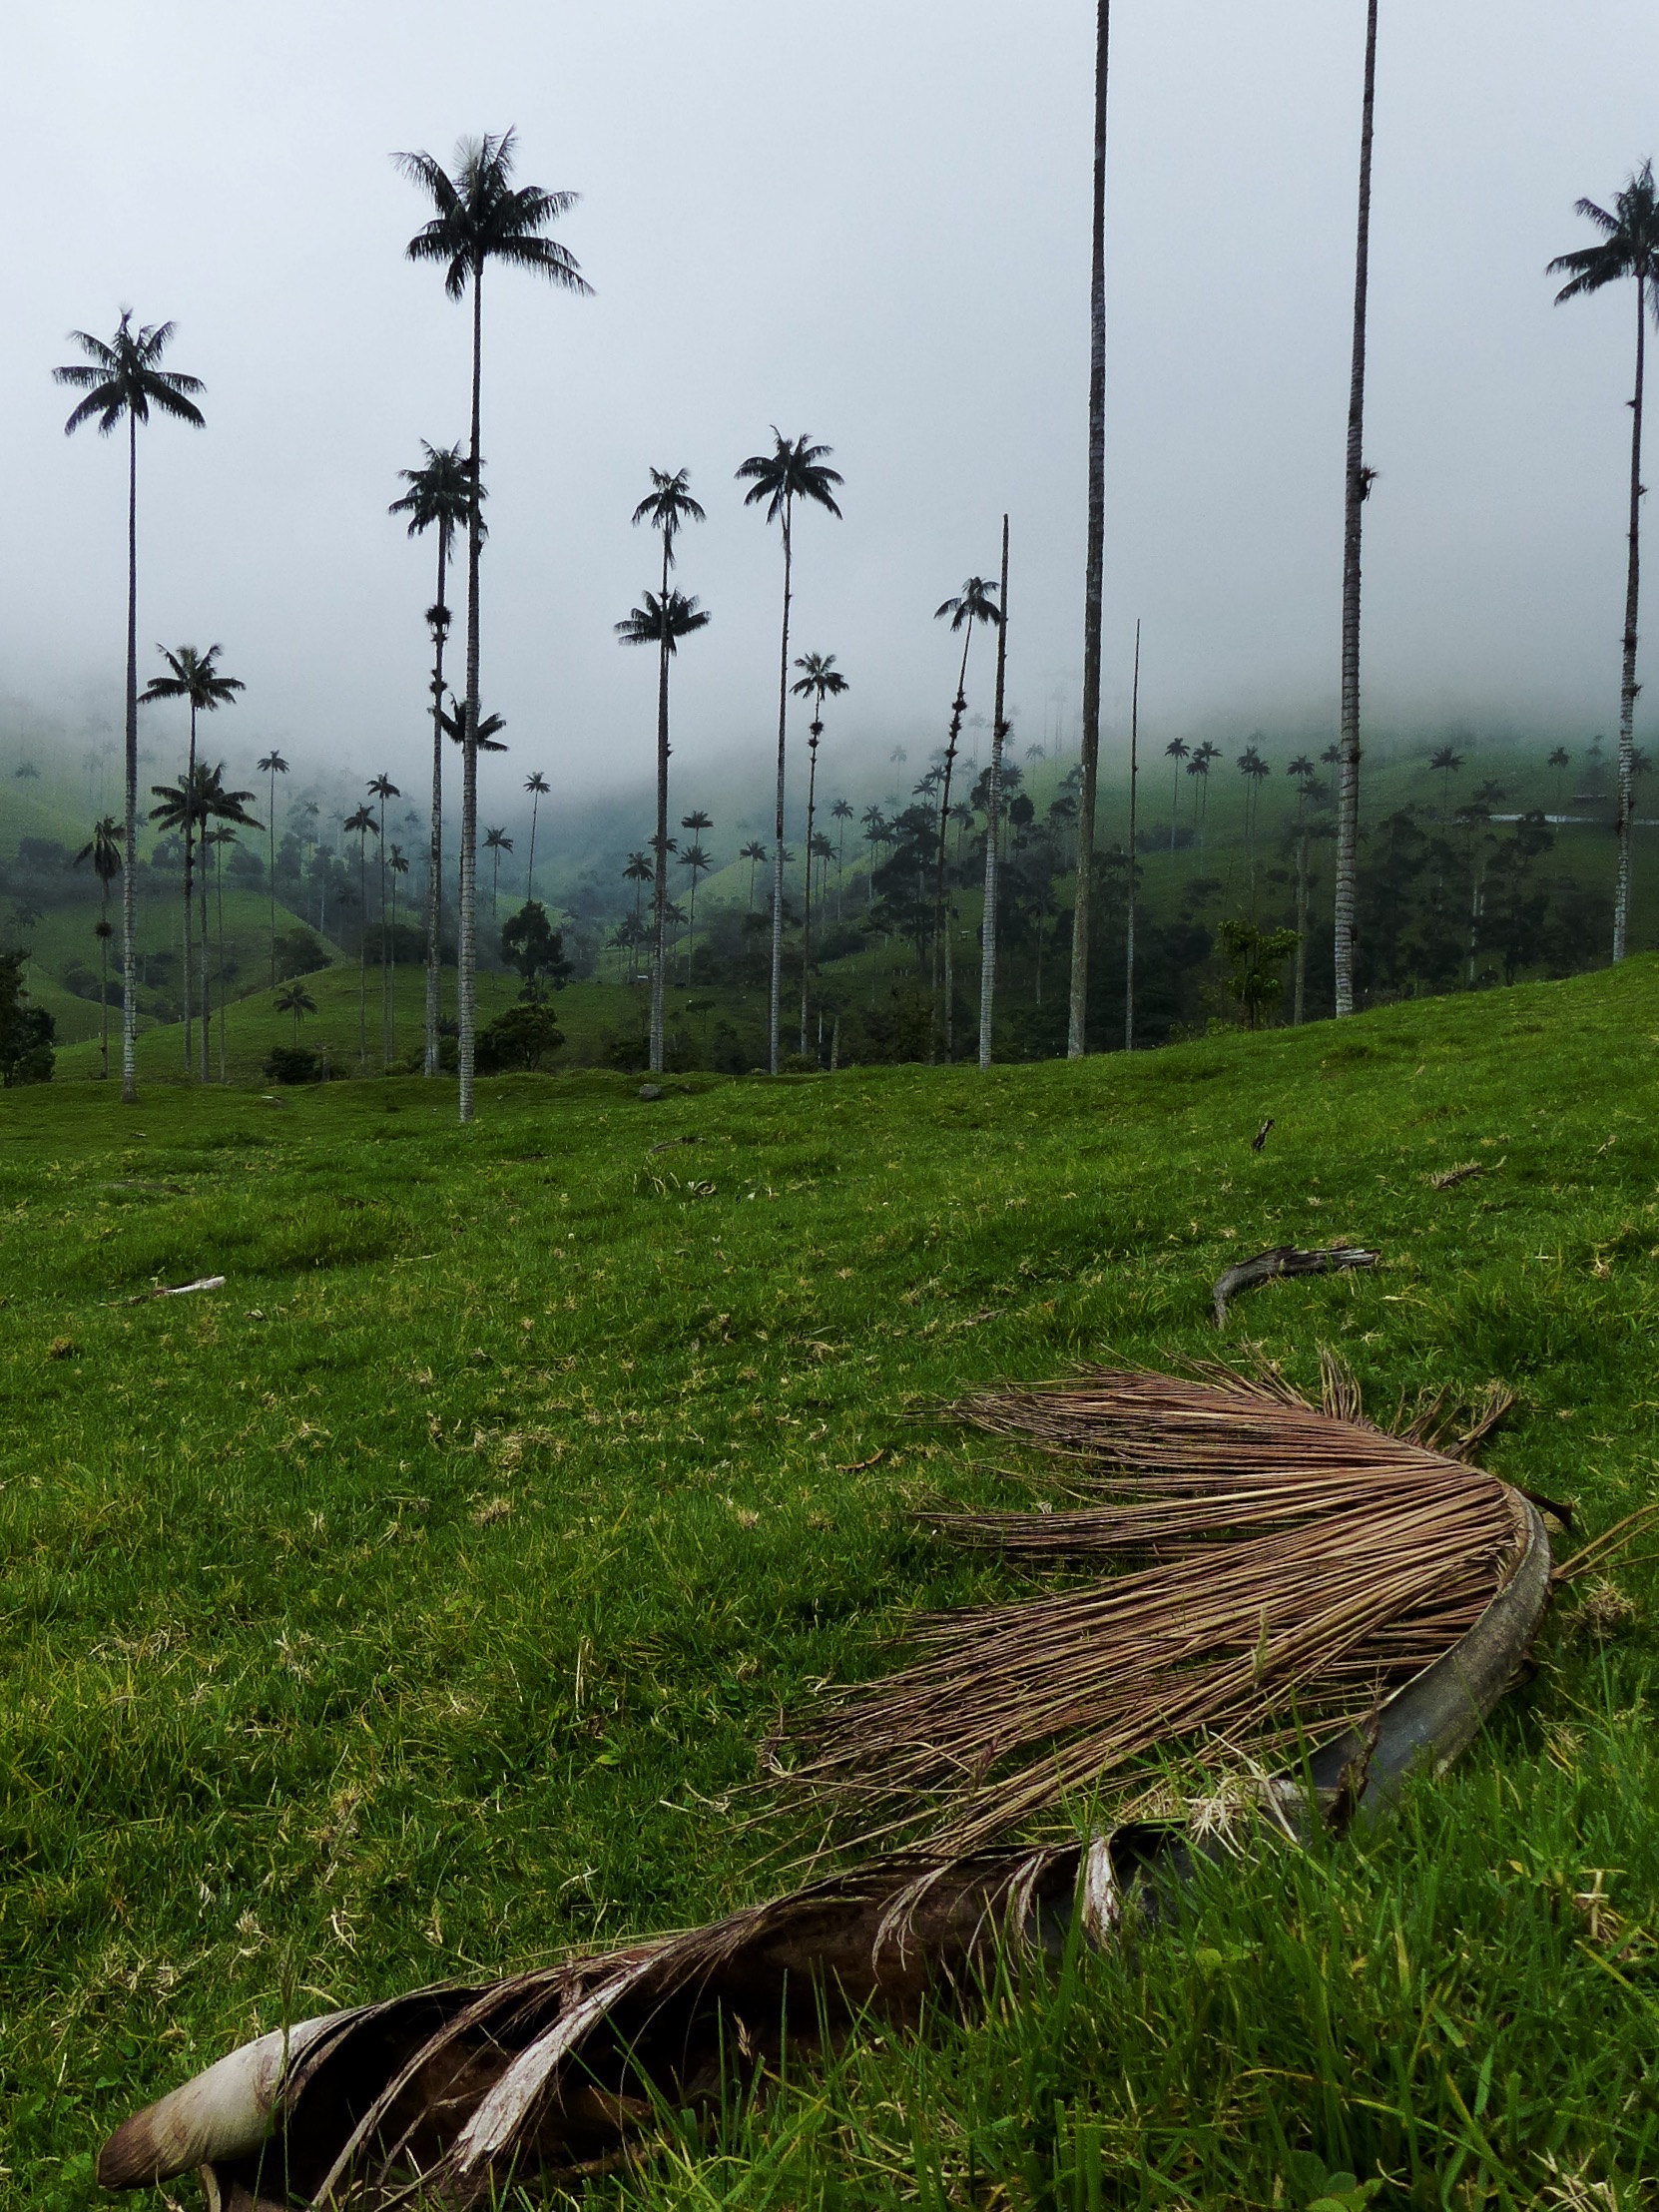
(459, 2093)
(1629, 248)
(993, 823)
(1357, 482)
(667, 507)
(1095, 559)
(440, 498)
(794, 469)
(481, 216)
(123, 379)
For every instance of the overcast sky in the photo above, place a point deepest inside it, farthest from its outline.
(867, 222)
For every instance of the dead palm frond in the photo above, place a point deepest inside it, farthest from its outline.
(1292, 1566)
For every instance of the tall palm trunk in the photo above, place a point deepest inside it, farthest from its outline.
(807, 909)
(104, 989)
(1134, 773)
(1629, 685)
(467, 981)
(363, 951)
(1077, 1025)
(129, 880)
(1348, 774)
(530, 877)
(776, 1006)
(270, 879)
(994, 825)
(190, 831)
(941, 943)
(1300, 1001)
(219, 905)
(207, 962)
(434, 857)
(659, 888)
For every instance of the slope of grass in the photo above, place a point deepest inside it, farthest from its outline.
(412, 1605)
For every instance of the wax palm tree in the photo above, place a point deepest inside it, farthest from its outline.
(875, 826)
(638, 871)
(820, 680)
(192, 804)
(1629, 248)
(756, 854)
(397, 864)
(1095, 560)
(1445, 763)
(994, 780)
(104, 852)
(667, 507)
(1254, 769)
(214, 842)
(272, 764)
(382, 787)
(123, 379)
(481, 216)
(299, 1002)
(694, 857)
(440, 498)
(661, 621)
(841, 813)
(795, 470)
(1559, 760)
(974, 605)
(1177, 751)
(193, 676)
(362, 826)
(538, 786)
(496, 842)
(1199, 766)
(1358, 480)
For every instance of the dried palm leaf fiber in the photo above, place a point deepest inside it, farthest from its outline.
(1298, 1564)
(453, 2095)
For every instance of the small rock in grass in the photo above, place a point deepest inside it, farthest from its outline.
(651, 1090)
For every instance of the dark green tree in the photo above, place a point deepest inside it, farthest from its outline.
(533, 946)
(27, 1033)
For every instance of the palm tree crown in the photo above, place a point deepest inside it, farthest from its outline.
(662, 621)
(439, 492)
(820, 679)
(481, 215)
(794, 469)
(975, 602)
(192, 678)
(123, 377)
(669, 506)
(1629, 243)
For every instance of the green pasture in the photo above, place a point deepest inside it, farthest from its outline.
(412, 1606)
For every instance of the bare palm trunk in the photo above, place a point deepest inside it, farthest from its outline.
(363, 951)
(806, 908)
(207, 963)
(129, 880)
(1300, 1001)
(1077, 1027)
(104, 990)
(219, 908)
(941, 949)
(994, 825)
(774, 1012)
(189, 826)
(270, 879)
(1134, 771)
(1347, 775)
(1629, 685)
(434, 861)
(467, 983)
(659, 889)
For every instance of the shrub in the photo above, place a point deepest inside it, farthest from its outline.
(520, 1038)
(26, 1033)
(294, 1063)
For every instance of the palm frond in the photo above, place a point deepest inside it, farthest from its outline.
(1292, 1566)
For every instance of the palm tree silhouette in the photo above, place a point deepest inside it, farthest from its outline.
(638, 871)
(1176, 751)
(1629, 248)
(192, 804)
(397, 864)
(874, 826)
(1199, 766)
(297, 1001)
(1445, 763)
(273, 765)
(841, 813)
(756, 854)
(123, 379)
(496, 842)
(667, 507)
(481, 216)
(794, 469)
(362, 826)
(820, 680)
(1358, 480)
(661, 621)
(104, 852)
(440, 498)
(694, 857)
(975, 603)
(382, 787)
(1558, 761)
(193, 676)
(538, 786)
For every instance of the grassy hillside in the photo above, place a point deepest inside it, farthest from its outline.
(411, 1606)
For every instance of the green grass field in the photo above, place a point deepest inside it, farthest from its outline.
(412, 1605)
